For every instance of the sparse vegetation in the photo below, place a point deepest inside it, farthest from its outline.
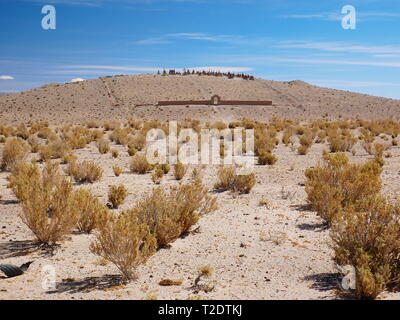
(179, 171)
(139, 164)
(89, 209)
(157, 176)
(15, 151)
(47, 202)
(86, 171)
(117, 170)
(228, 179)
(337, 184)
(117, 195)
(124, 241)
(265, 157)
(171, 214)
(366, 235)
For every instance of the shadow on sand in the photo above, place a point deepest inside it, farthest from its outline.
(88, 284)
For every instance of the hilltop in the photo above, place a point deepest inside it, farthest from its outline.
(121, 97)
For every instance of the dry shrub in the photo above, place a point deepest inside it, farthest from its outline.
(287, 136)
(114, 153)
(44, 153)
(337, 184)
(179, 171)
(341, 143)
(68, 158)
(229, 180)
(263, 141)
(366, 235)
(307, 139)
(120, 136)
(157, 176)
(89, 208)
(46, 133)
(54, 150)
(47, 201)
(103, 146)
(266, 157)
(117, 170)
(303, 150)
(86, 171)
(15, 151)
(117, 195)
(321, 137)
(77, 137)
(138, 142)
(375, 149)
(124, 241)
(139, 164)
(171, 214)
(22, 132)
(97, 135)
(165, 167)
(131, 150)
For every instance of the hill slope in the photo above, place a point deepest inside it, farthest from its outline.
(122, 97)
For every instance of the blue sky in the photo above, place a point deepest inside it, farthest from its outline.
(279, 40)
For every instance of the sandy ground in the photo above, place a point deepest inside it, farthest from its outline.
(277, 252)
(122, 97)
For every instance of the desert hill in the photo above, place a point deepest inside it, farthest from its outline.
(122, 97)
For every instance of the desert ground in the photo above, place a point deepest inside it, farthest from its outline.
(268, 244)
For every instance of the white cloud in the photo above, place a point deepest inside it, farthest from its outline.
(221, 38)
(77, 80)
(6, 78)
(359, 84)
(339, 47)
(336, 16)
(328, 16)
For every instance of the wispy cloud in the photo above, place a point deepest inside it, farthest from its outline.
(328, 16)
(6, 78)
(354, 84)
(336, 16)
(340, 47)
(341, 62)
(98, 3)
(230, 39)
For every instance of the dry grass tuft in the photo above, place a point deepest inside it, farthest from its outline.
(86, 171)
(47, 201)
(229, 180)
(179, 171)
(117, 195)
(139, 164)
(15, 151)
(171, 214)
(337, 184)
(124, 241)
(366, 236)
(89, 208)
